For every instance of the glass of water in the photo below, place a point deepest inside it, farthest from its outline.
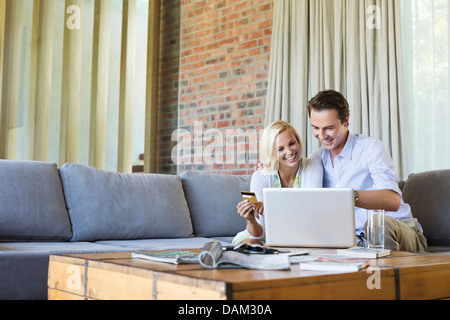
(375, 229)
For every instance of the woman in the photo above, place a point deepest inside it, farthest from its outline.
(284, 167)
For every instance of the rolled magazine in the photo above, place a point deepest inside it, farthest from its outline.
(214, 256)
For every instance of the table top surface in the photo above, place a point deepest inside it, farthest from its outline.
(124, 260)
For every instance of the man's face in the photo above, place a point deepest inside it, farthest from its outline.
(329, 130)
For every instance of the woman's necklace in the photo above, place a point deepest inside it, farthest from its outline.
(278, 179)
(285, 182)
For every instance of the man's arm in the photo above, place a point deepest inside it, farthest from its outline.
(378, 199)
(385, 193)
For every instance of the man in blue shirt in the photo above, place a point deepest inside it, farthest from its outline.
(363, 164)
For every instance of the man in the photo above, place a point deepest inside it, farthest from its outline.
(363, 164)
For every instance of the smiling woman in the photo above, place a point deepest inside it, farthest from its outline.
(279, 137)
(289, 156)
(284, 167)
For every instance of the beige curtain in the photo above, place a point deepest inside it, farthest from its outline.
(353, 46)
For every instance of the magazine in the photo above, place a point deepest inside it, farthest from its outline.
(174, 256)
(213, 255)
(336, 263)
(362, 252)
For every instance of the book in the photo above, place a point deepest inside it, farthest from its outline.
(213, 256)
(338, 263)
(362, 252)
(174, 256)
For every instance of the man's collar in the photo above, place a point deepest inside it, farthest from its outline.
(348, 148)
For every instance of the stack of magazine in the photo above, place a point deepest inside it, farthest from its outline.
(213, 255)
(346, 260)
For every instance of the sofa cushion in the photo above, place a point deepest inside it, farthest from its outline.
(212, 200)
(428, 195)
(160, 244)
(107, 205)
(32, 206)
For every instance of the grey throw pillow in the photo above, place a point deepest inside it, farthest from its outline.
(212, 200)
(107, 205)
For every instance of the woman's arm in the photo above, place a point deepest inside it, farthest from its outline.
(251, 211)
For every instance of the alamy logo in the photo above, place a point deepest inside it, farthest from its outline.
(74, 279)
(373, 20)
(374, 281)
(214, 146)
(74, 17)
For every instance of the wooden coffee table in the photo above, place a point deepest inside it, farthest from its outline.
(109, 276)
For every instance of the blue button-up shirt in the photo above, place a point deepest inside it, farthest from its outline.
(364, 164)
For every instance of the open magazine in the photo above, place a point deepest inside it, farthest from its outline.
(173, 256)
(213, 255)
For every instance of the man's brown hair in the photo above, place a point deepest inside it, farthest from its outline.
(330, 99)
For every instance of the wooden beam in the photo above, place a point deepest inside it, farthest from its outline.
(151, 111)
(127, 68)
(2, 51)
(11, 79)
(71, 75)
(41, 74)
(99, 87)
(33, 72)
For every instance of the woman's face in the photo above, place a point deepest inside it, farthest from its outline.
(288, 149)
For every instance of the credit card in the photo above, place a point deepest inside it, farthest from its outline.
(250, 196)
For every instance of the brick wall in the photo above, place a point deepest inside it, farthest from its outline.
(222, 78)
(168, 84)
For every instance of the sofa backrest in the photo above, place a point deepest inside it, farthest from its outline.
(428, 194)
(32, 206)
(212, 200)
(106, 205)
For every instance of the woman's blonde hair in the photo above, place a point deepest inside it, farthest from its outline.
(269, 156)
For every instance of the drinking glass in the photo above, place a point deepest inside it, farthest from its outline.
(375, 229)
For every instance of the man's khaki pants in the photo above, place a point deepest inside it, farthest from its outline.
(402, 235)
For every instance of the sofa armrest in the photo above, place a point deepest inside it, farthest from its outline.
(428, 195)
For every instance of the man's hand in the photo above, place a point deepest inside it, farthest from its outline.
(259, 166)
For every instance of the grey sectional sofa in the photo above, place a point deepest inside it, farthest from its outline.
(428, 194)
(78, 209)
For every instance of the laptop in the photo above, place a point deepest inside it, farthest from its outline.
(302, 217)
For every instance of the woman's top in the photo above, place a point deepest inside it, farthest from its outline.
(309, 175)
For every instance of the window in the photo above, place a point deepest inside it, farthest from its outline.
(426, 50)
(27, 72)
